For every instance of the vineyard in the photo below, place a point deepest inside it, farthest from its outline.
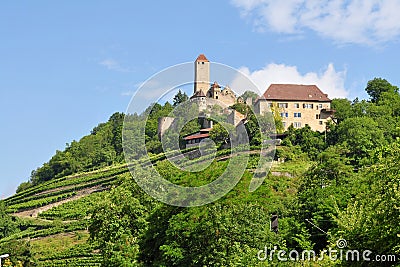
(55, 214)
(55, 217)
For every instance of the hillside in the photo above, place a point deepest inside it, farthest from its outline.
(332, 190)
(55, 215)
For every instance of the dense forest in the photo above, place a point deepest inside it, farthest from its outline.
(343, 184)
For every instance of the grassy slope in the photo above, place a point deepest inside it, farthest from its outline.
(58, 236)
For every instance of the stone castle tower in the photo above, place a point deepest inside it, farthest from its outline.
(201, 75)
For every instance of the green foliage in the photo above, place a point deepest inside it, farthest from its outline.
(101, 148)
(241, 108)
(220, 133)
(8, 224)
(376, 87)
(19, 251)
(217, 235)
(116, 225)
(23, 186)
(371, 219)
(179, 98)
(309, 141)
(360, 135)
(47, 193)
(346, 183)
(74, 210)
(39, 202)
(250, 94)
(343, 109)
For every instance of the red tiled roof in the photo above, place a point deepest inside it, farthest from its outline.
(296, 92)
(196, 136)
(202, 57)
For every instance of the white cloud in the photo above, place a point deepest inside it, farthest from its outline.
(352, 21)
(114, 65)
(329, 80)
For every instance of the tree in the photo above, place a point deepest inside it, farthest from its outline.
(253, 130)
(116, 225)
(20, 252)
(250, 94)
(377, 86)
(116, 121)
(179, 98)
(216, 235)
(219, 134)
(241, 108)
(8, 225)
(23, 186)
(371, 219)
(343, 109)
(360, 135)
(311, 142)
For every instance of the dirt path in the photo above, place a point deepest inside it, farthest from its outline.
(33, 213)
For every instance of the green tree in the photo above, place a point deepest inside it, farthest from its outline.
(343, 109)
(23, 186)
(220, 135)
(250, 94)
(216, 235)
(8, 224)
(311, 142)
(116, 225)
(360, 135)
(179, 98)
(20, 252)
(377, 86)
(370, 220)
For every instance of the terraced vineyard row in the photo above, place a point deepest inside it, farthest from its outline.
(66, 181)
(74, 210)
(48, 230)
(72, 262)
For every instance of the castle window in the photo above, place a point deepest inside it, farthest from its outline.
(318, 116)
(308, 105)
(296, 105)
(297, 115)
(283, 105)
(320, 106)
(284, 115)
(216, 97)
(270, 105)
(321, 122)
(297, 124)
(202, 63)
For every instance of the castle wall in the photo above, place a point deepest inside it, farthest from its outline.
(163, 124)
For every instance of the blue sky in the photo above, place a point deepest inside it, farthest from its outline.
(67, 66)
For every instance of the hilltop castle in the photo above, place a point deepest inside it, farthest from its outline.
(298, 105)
(202, 84)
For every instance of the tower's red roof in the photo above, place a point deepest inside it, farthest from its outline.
(296, 92)
(202, 57)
